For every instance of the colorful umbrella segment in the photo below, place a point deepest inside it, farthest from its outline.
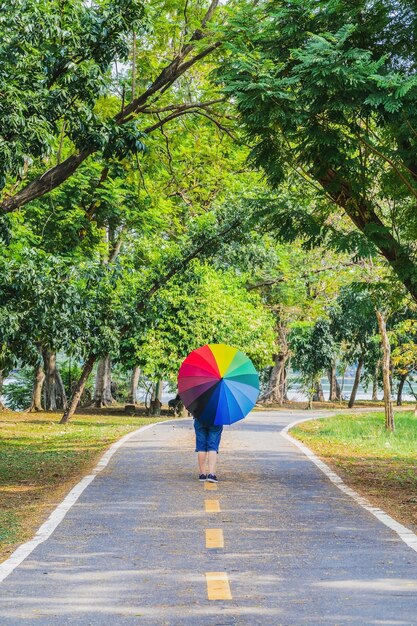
(218, 384)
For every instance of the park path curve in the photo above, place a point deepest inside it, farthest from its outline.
(296, 550)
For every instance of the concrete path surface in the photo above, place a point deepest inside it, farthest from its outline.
(291, 548)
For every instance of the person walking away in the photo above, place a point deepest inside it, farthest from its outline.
(207, 448)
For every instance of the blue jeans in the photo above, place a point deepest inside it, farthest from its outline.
(207, 437)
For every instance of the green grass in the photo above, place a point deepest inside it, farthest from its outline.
(41, 459)
(9, 527)
(365, 434)
(379, 464)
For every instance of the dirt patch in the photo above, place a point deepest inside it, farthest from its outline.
(390, 486)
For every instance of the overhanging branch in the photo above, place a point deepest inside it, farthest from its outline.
(58, 174)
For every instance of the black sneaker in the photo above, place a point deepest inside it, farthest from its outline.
(212, 478)
(202, 477)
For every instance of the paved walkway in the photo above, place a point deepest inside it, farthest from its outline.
(297, 551)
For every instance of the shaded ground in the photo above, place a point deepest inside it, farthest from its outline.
(40, 460)
(297, 551)
(380, 466)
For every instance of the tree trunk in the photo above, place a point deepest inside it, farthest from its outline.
(318, 394)
(342, 386)
(356, 383)
(403, 378)
(78, 389)
(155, 408)
(98, 399)
(374, 390)
(53, 388)
(102, 390)
(334, 393)
(332, 389)
(338, 390)
(2, 407)
(276, 392)
(36, 404)
(375, 382)
(134, 381)
(61, 393)
(386, 362)
(285, 381)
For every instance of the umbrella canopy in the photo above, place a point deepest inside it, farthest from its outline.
(218, 384)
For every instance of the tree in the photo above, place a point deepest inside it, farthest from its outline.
(354, 326)
(404, 353)
(386, 365)
(201, 305)
(329, 90)
(103, 219)
(65, 64)
(297, 284)
(40, 303)
(313, 351)
(121, 304)
(388, 297)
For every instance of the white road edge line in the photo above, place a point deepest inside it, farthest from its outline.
(403, 532)
(58, 514)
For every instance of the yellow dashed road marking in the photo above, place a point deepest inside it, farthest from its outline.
(210, 486)
(214, 538)
(212, 506)
(218, 587)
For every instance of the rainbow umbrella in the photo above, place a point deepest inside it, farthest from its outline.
(218, 384)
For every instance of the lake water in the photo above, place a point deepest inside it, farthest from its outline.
(296, 393)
